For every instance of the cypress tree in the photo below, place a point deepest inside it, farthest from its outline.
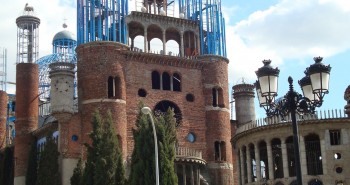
(32, 168)
(92, 151)
(77, 174)
(104, 165)
(48, 172)
(142, 162)
(120, 178)
(167, 139)
(106, 162)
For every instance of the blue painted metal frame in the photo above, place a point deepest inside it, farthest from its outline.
(101, 20)
(105, 20)
(211, 24)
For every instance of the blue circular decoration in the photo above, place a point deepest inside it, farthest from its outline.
(191, 137)
(74, 138)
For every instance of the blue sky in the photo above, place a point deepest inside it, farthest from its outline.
(289, 32)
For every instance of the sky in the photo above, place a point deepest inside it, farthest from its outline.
(289, 32)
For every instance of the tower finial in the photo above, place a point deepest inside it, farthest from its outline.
(64, 25)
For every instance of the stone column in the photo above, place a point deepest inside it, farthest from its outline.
(164, 42)
(323, 154)
(184, 174)
(284, 158)
(242, 166)
(249, 165)
(302, 153)
(270, 160)
(182, 49)
(257, 160)
(171, 82)
(198, 176)
(145, 47)
(192, 175)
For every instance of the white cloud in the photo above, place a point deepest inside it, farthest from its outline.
(51, 14)
(291, 29)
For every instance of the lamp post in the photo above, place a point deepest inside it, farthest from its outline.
(147, 110)
(314, 86)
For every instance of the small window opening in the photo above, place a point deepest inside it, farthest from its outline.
(215, 97)
(220, 150)
(117, 88)
(220, 98)
(337, 156)
(111, 89)
(176, 82)
(335, 137)
(155, 80)
(142, 93)
(166, 81)
(190, 97)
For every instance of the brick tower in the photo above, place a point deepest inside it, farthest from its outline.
(3, 117)
(27, 82)
(102, 86)
(62, 93)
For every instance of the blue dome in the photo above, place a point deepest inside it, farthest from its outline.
(64, 35)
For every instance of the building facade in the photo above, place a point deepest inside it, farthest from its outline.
(265, 150)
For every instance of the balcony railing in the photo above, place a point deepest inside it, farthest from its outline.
(189, 155)
(319, 115)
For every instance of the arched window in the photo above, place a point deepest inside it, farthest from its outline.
(220, 98)
(110, 85)
(220, 150)
(117, 88)
(215, 97)
(277, 158)
(176, 82)
(291, 157)
(313, 154)
(252, 162)
(155, 80)
(264, 167)
(166, 81)
(223, 150)
(163, 106)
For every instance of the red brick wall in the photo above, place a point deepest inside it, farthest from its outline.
(3, 116)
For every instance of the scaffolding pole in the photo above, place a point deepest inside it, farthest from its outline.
(3, 69)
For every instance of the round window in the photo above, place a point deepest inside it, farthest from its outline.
(191, 137)
(339, 169)
(74, 138)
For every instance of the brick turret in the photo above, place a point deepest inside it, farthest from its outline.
(244, 100)
(215, 81)
(102, 86)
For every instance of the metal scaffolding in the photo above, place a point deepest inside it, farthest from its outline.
(3, 69)
(102, 20)
(105, 20)
(27, 36)
(212, 24)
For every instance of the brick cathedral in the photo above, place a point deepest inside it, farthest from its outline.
(111, 73)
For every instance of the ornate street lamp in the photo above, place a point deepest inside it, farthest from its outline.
(314, 86)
